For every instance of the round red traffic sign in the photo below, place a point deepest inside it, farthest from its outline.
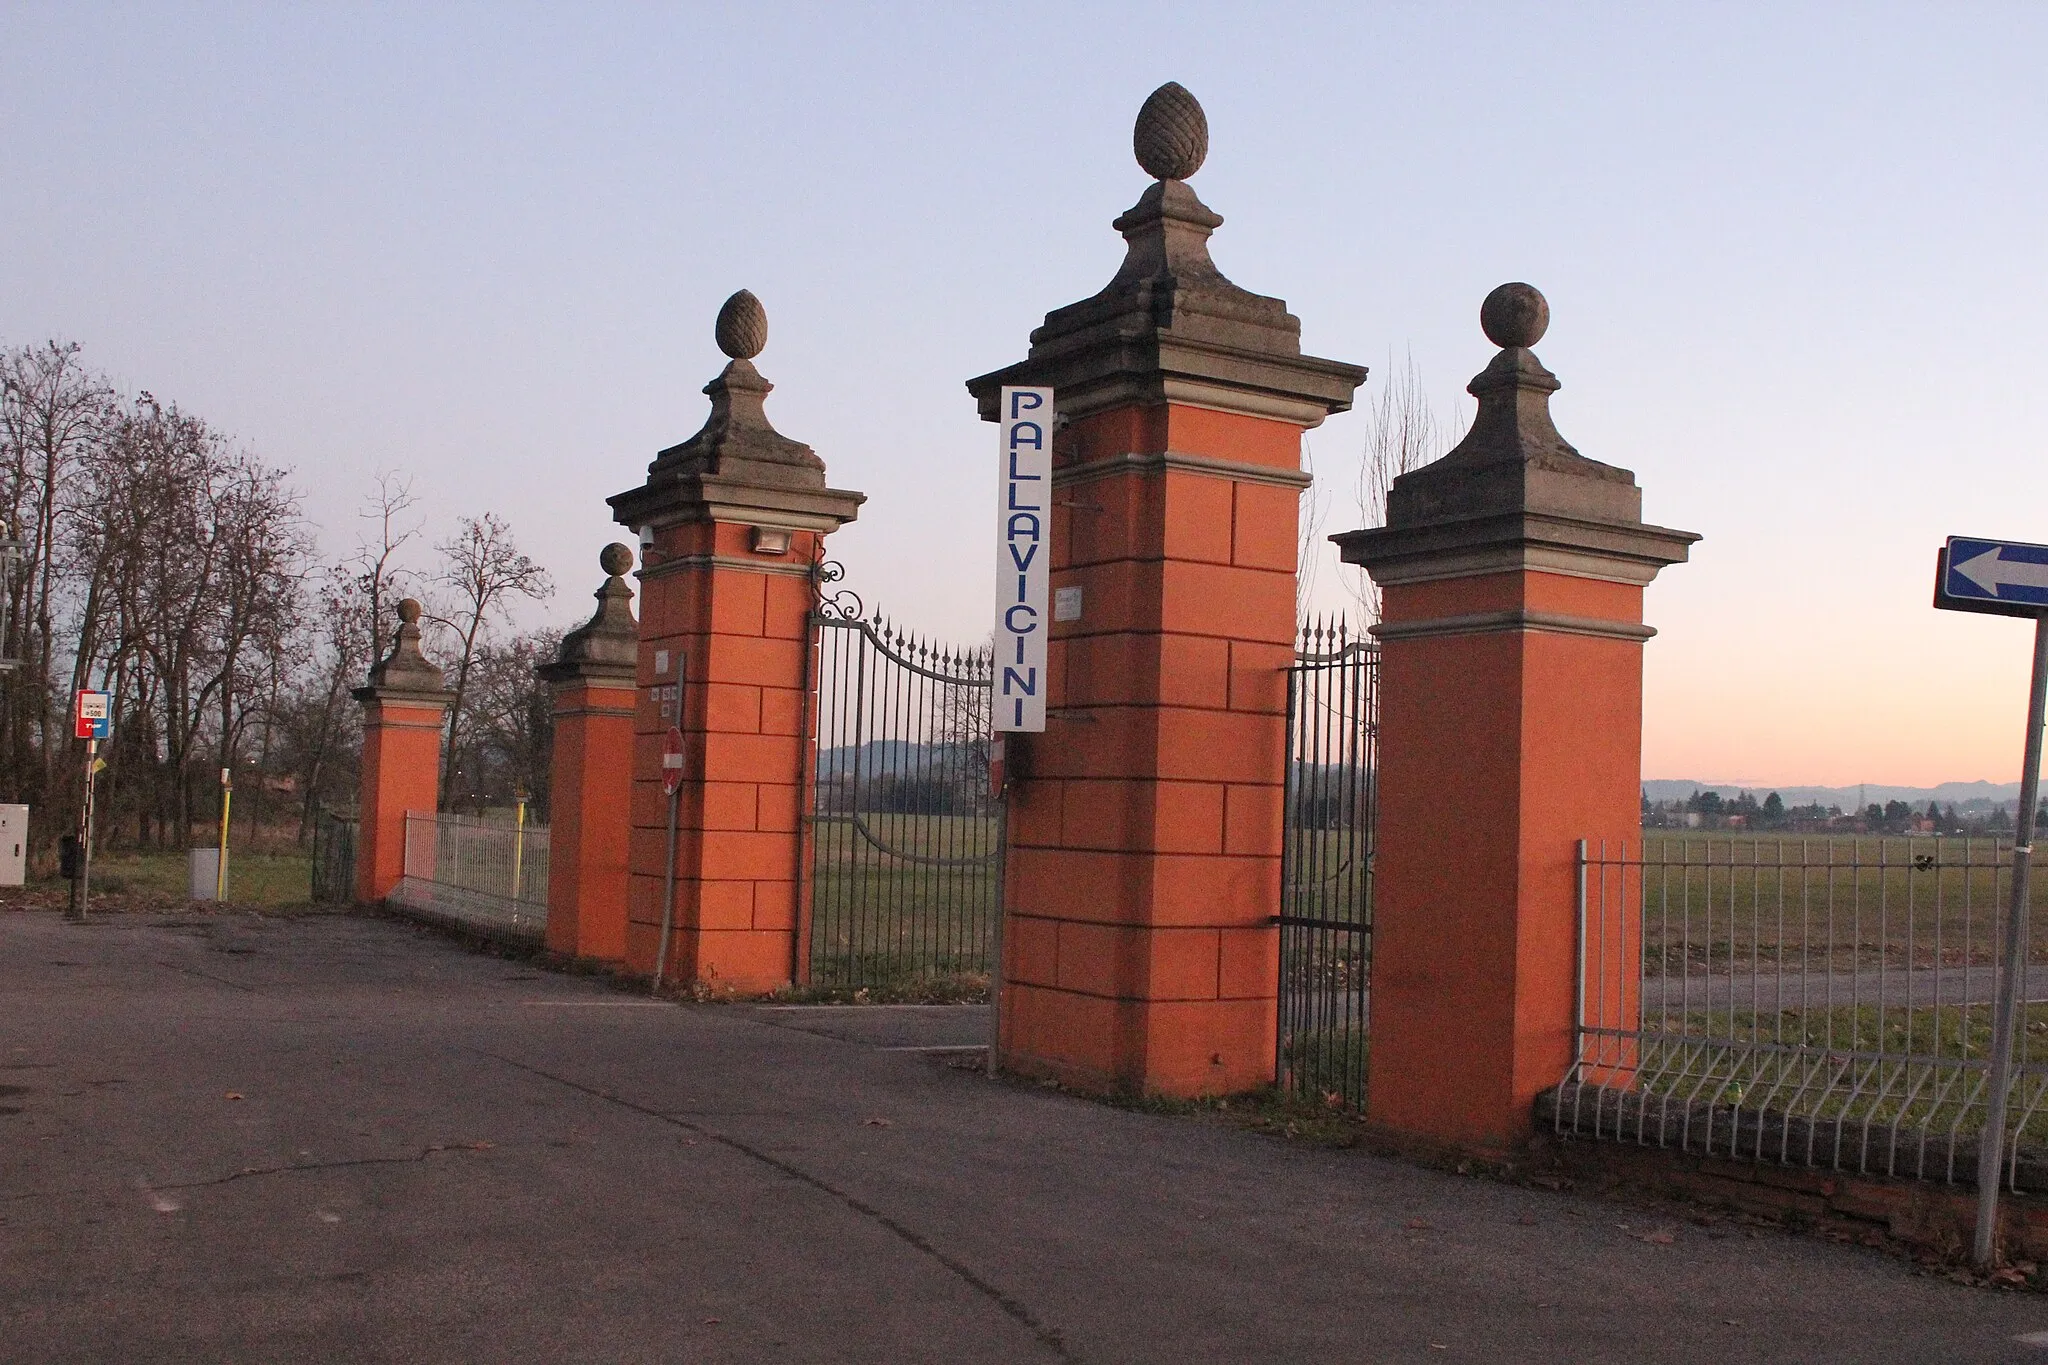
(672, 761)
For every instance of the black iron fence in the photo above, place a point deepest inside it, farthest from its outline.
(1326, 863)
(905, 830)
(334, 858)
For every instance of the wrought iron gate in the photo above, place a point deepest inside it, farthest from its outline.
(1326, 863)
(905, 833)
(334, 858)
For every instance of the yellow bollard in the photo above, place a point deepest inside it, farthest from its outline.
(220, 871)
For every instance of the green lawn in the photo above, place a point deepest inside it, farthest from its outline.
(1711, 901)
(912, 898)
(262, 879)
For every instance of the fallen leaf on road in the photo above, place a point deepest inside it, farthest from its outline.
(1527, 1220)
(1418, 1223)
(710, 1321)
(1661, 1237)
(877, 1123)
(234, 1094)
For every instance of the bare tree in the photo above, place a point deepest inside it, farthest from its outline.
(510, 746)
(1402, 433)
(380, 581)
(53, 413)
(482, 569)
(191, 554)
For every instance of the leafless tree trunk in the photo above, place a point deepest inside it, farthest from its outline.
(1402, 433)
(482, 569)
(53, 411)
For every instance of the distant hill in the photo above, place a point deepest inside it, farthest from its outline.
(1958, 794)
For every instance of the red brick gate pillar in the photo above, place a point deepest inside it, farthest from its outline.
(403, 708)
(1511, 697)
(1144, 826)
(591, 784)
(737, 515)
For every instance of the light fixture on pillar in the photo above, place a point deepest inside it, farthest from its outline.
(770, 540)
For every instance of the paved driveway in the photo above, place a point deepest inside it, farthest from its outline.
(338, 1139)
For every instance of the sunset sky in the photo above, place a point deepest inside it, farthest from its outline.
(1795, 266)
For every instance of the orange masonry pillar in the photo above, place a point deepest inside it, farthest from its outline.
(591, 785)
(1143, 870)
(403, 707)
(1511, 715)
(731, 522)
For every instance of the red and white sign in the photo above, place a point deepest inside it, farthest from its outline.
(672, 761)
(93, 716)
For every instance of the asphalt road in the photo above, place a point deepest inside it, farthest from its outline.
(340, 1139)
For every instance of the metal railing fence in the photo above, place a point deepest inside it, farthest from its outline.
(1326, 863)
(488, 876)
(334, 858)
(906, 833)
(1820, 1002)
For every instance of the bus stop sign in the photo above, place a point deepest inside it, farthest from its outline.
(93, 717)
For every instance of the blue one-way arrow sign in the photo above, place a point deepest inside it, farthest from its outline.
(2005, 577)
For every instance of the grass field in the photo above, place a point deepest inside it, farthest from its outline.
(260, 879)
(901, 898)
(1716, 903)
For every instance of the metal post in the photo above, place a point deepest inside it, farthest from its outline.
(92, 755)
(995, 937)
(220, 867)
(518, 846)
(668, 891)
(1990, 1148)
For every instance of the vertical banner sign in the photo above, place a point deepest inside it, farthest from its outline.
(1023, 529)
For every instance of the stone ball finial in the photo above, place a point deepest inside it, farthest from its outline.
(409, 611)
(615, 559)
(742, 329)
(1172, 134)
(1515, 315)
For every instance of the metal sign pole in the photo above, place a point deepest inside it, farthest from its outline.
(92, 753)
(668, 890)
(1990, 1148)
(220, 866)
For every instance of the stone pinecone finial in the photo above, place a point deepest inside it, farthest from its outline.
(1171, 138)
(742, 328)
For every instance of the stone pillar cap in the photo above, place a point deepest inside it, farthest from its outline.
(1169, 327)
(606, 648)
(406, 674)
(1514, 492)
(737, 446)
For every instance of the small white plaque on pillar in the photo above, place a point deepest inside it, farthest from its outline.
(1066, 604)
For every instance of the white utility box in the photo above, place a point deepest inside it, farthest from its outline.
(13, 845)
(203, 873)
